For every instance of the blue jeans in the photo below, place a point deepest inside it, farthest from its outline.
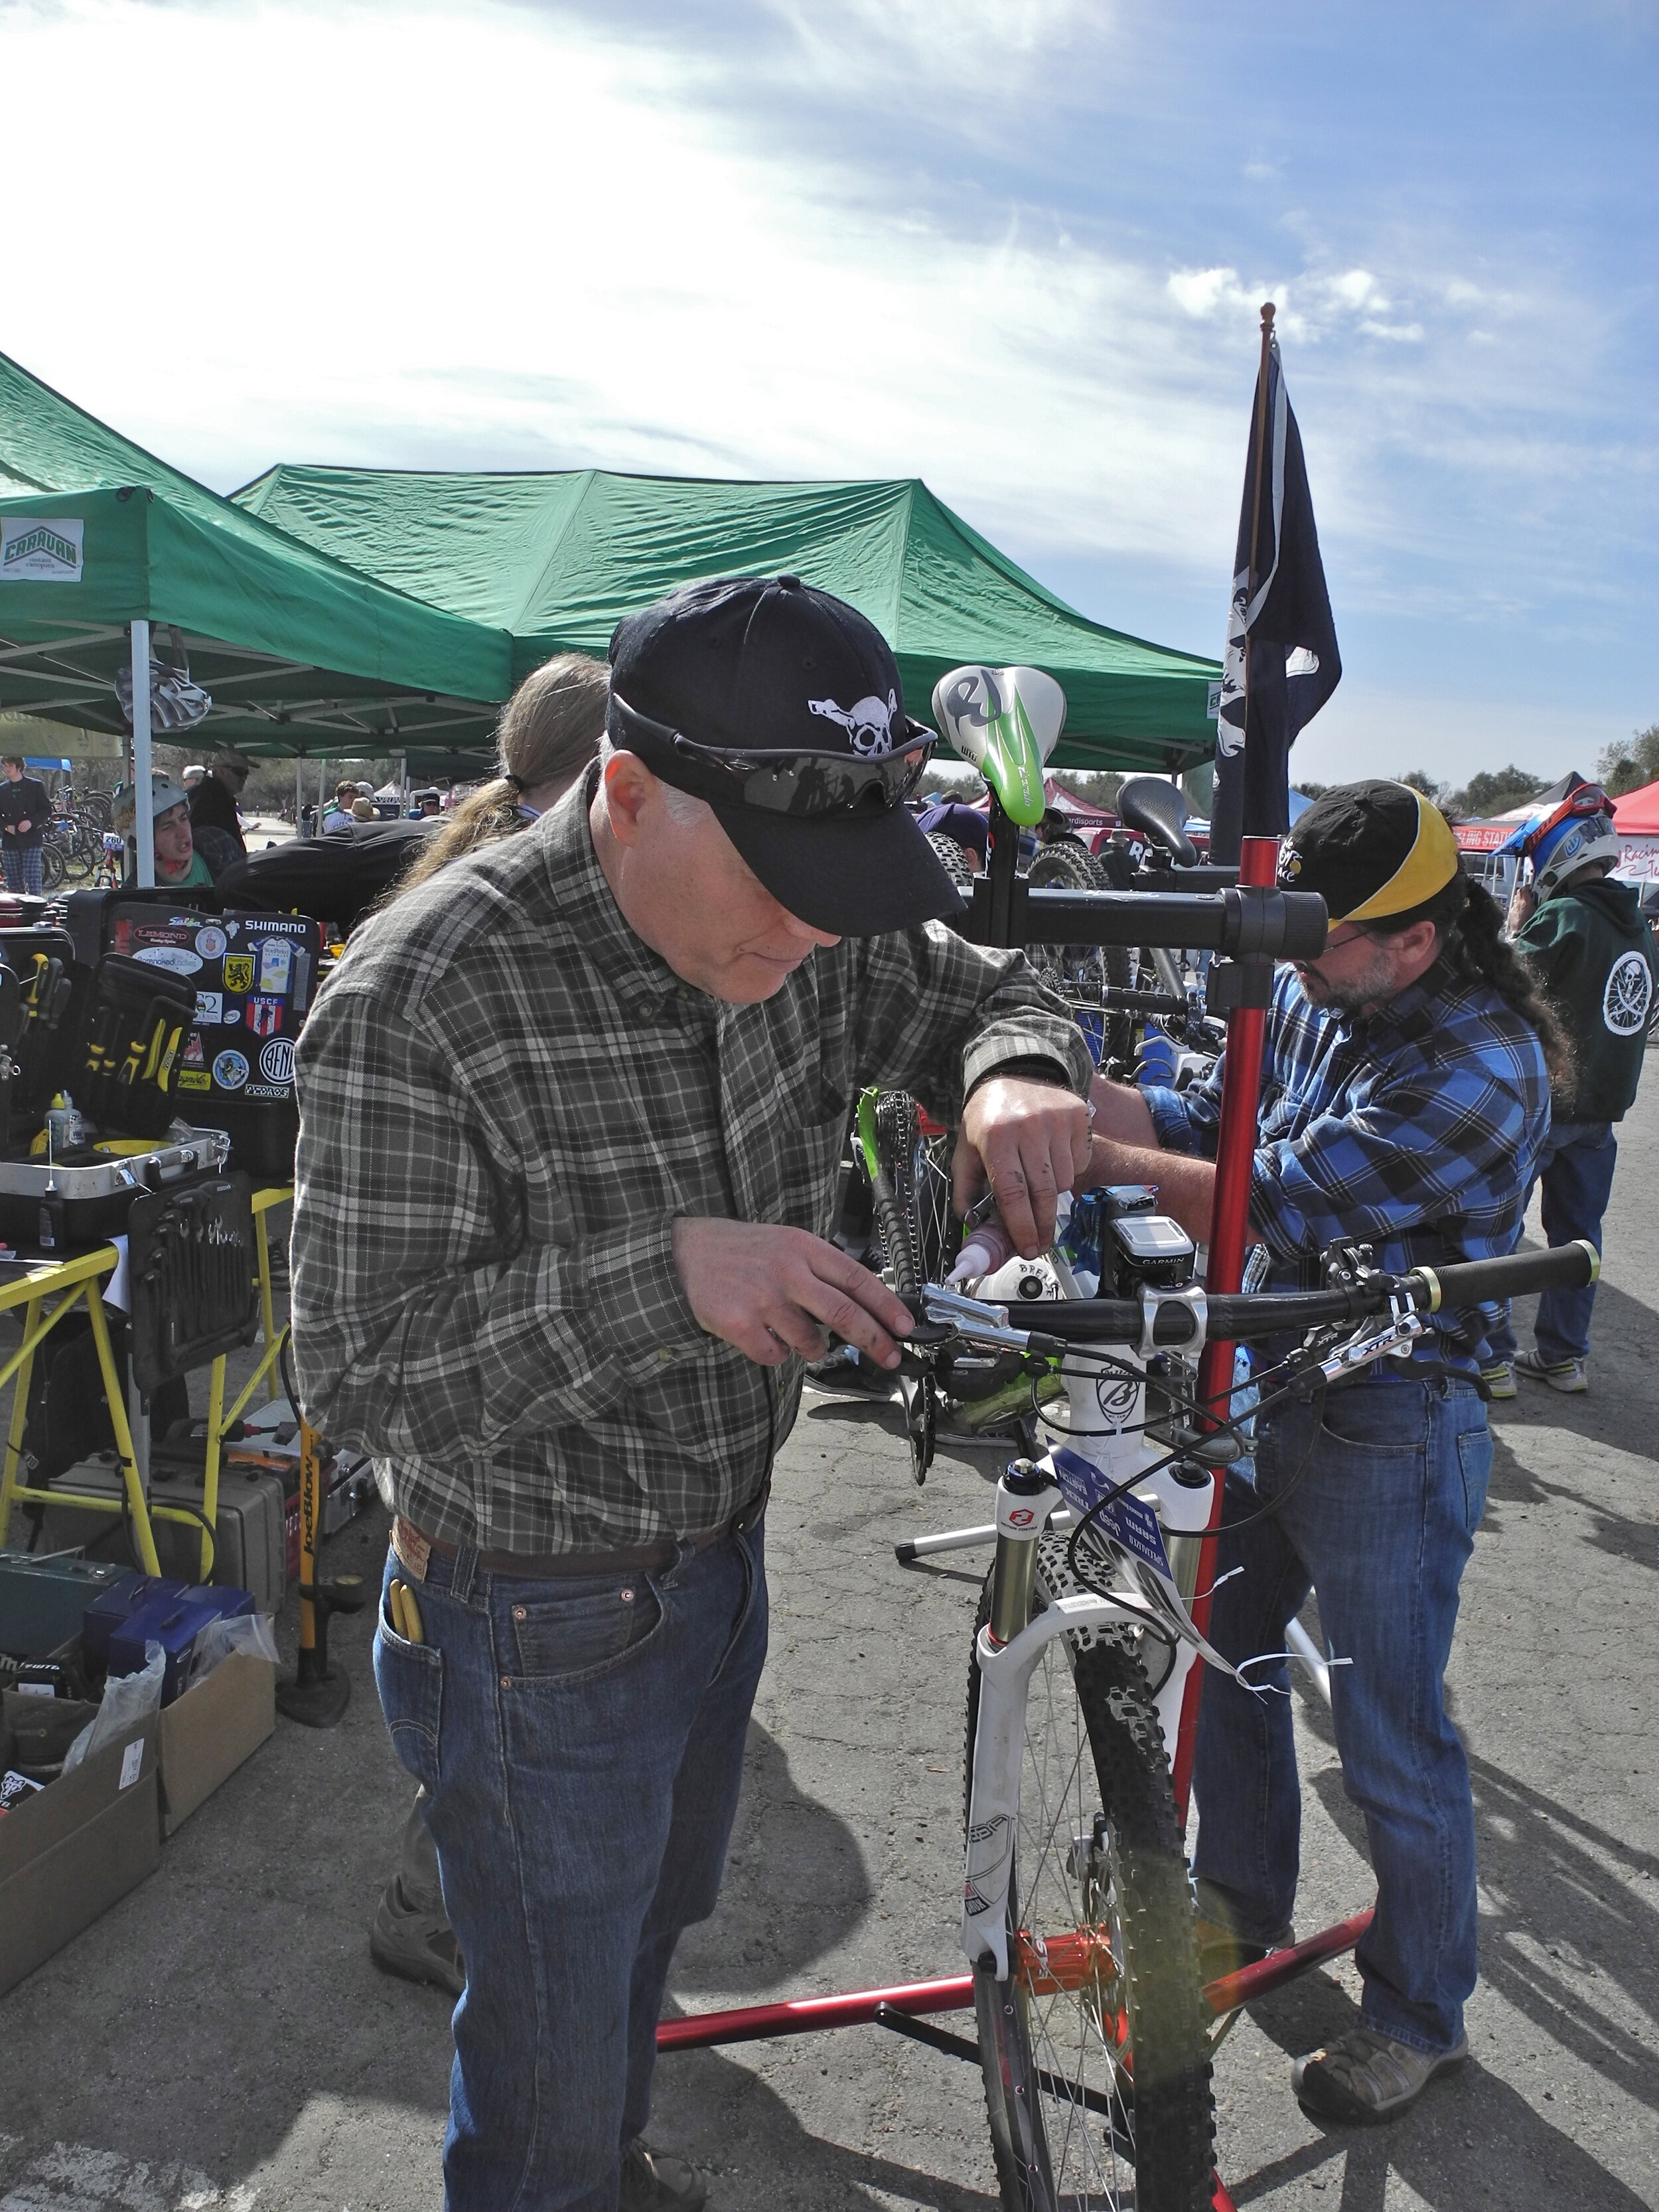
(1381, 1522)
(582, 1746)
(1575, 1168)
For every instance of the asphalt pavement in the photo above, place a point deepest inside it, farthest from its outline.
(221, 2040)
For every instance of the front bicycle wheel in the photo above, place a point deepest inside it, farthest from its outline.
(1094, 2051)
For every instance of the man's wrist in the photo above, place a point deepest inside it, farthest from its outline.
(1029, 1070)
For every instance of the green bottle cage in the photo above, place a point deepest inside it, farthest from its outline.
(1004, 722)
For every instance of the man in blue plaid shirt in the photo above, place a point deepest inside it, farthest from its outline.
(1405, 1095)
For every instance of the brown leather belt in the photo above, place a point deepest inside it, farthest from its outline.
(641, 1559)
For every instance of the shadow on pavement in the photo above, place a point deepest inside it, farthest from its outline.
(1472, 2141)
(715, 2111)
(796, 1885)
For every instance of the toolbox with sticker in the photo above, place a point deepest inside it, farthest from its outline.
(254, 976)
(83, 1197)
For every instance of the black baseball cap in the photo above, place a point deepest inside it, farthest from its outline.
(1374, 851)
(761, 666)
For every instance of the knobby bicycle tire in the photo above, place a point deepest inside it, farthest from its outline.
(919, 1233)
(1097, 2097)
(1068, 867)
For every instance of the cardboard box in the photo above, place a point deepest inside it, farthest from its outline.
(72, 1852)
(209, 1732)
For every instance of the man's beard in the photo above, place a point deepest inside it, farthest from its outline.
(1373, 983)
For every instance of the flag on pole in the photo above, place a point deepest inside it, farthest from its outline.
(1281, 612)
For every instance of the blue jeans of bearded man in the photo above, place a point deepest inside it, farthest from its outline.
(1575, 1168)
(581, 1742)
(1381, 1522)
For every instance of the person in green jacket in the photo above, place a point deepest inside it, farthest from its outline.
(1594, 958)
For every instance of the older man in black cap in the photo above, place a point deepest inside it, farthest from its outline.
(571, 1114)
(1404, 1101)
(213, 805)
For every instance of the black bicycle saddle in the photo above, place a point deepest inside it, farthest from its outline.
(1157, 810)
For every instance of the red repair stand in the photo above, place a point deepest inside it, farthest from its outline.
(902, 2007)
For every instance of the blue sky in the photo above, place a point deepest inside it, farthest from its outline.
(1015, 247)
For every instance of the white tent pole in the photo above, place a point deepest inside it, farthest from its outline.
(143, 822)
(299, 790)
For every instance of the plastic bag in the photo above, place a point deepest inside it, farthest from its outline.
(240, 1632)
(129, 1701)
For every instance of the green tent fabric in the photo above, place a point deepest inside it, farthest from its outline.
(299, 654)
(557, 560)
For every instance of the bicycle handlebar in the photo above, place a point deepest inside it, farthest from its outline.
(1242, 1316)
(1251, 923)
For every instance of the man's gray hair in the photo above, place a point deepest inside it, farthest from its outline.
(684, 806)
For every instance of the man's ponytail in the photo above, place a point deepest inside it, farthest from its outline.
(1471, 925)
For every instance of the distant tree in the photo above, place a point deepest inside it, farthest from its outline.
(950, 778)
(1627, 767)
(1315, 790)
(1494, 791)
(1094, 787)
(1420, 780)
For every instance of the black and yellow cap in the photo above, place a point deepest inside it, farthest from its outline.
(1370, 850)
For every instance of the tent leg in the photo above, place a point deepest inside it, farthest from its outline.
(144, 824)
(299, 790)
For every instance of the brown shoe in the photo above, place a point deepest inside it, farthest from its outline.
(655, 2182)
(1367, 2077)
(419, 1946)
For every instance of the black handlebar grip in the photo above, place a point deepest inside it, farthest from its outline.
(1481, 1282)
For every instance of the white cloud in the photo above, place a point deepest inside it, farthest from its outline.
(425, 234)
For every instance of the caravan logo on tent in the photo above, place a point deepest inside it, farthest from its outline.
(41, 550)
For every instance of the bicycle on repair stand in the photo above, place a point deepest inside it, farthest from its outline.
(1095, 2035)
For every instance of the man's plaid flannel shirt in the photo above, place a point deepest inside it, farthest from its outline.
(1414, 1129)
(506, 1099)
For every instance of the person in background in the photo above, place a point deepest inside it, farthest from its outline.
(339, 814)
(1586, 943)
(212, 802)
(192, 776)
(966, 827)
(549, 731)
(179, 865)
(25, 810)
(1405, 1087)
(363, 809)
(1056, 829)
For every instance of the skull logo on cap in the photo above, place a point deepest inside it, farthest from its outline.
(868, 724)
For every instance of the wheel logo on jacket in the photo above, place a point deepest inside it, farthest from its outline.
(1629, 992)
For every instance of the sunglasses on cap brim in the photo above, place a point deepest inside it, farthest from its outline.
(802, 784)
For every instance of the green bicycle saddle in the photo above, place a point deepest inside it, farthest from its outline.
(1006, 723)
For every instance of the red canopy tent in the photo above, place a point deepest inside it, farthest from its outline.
(1637, 814)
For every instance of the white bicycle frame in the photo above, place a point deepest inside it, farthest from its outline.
(1006, 1668)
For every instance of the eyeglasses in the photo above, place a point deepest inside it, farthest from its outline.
(796, 783)
(1336, 944)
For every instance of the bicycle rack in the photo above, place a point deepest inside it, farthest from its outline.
(1251, 925)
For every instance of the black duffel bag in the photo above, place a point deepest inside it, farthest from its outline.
(338, 877)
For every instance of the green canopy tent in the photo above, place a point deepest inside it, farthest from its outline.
(99, 541)
(557, 560)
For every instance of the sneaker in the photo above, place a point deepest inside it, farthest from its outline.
(1368, 2077)
(1499, 1379)
(419, 1946)
(653, 2183)
(1566, 1375)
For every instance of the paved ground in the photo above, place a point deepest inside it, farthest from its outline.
(221, 2040)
